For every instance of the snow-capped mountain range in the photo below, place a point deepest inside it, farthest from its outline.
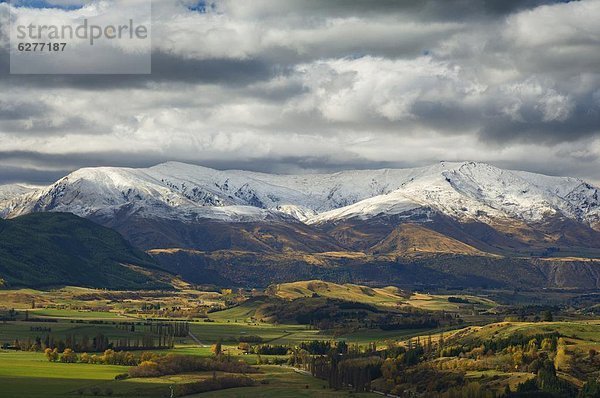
(8, 192)
(464, 191)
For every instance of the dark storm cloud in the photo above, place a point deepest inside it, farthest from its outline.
(73, 161)
(42, 126)
(16, 110)
(10, 175)
(426, 9)
(302, 164)
(583, 122)
(289, 86)
(166, 68)
(59, 165)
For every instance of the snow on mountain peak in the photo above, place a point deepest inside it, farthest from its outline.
(173, 190)
(11, 191)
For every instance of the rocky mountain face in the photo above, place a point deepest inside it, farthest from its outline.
(11, 191)
(471, 210)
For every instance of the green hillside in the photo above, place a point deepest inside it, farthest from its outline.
(389, 296)
(49, 249)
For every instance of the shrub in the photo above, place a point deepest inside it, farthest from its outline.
(68, 356)
(85, 358)
(51, 355)
(145, 369)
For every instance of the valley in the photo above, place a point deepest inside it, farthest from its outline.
(285, 335)
(457, 279)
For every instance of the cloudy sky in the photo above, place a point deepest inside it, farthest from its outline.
(313, 85)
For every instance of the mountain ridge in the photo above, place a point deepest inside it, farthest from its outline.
(460, 208)
(172, 190)
(449, 224)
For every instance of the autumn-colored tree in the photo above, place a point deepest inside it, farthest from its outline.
(563, 359)
(216, 348)
(244, 347)
(51, 354)
(68, 356)
(547, 344)
(147, 356)
(518, 358)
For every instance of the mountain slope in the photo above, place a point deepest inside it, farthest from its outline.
(40, 250)
(251, 269)
(210, 235)
(11, 191)
(172, 190)
(186, 192)
(413, 239)
(477, 191)
(467, 208)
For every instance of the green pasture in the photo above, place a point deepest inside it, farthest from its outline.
(283, 382)
(21, 330)
(210, 332)
(75, 314)
(30, 375)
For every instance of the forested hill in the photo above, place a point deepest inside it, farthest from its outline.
(48, 249)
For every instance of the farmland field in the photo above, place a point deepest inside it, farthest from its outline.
(246, 329)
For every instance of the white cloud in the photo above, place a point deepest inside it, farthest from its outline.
(342, 87)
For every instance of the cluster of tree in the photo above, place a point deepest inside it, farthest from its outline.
(150, 306)
(403, 369)
(536, 313)
(526, 357)
(154, 365)
(267, 349)
(591, 389)
(320, 312)
(543, 341)
(333, 314)
(272, 361)
(250, 339)
(68, 356)
(40, 329)
(109, 357)
(342, 365)
(470, 390)
(547, 381)
(355, 372)
(316, 347)
(166, 332)
(159, 311)
(99, 343)
(458, 300)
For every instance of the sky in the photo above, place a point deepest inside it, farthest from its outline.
(290, 86)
